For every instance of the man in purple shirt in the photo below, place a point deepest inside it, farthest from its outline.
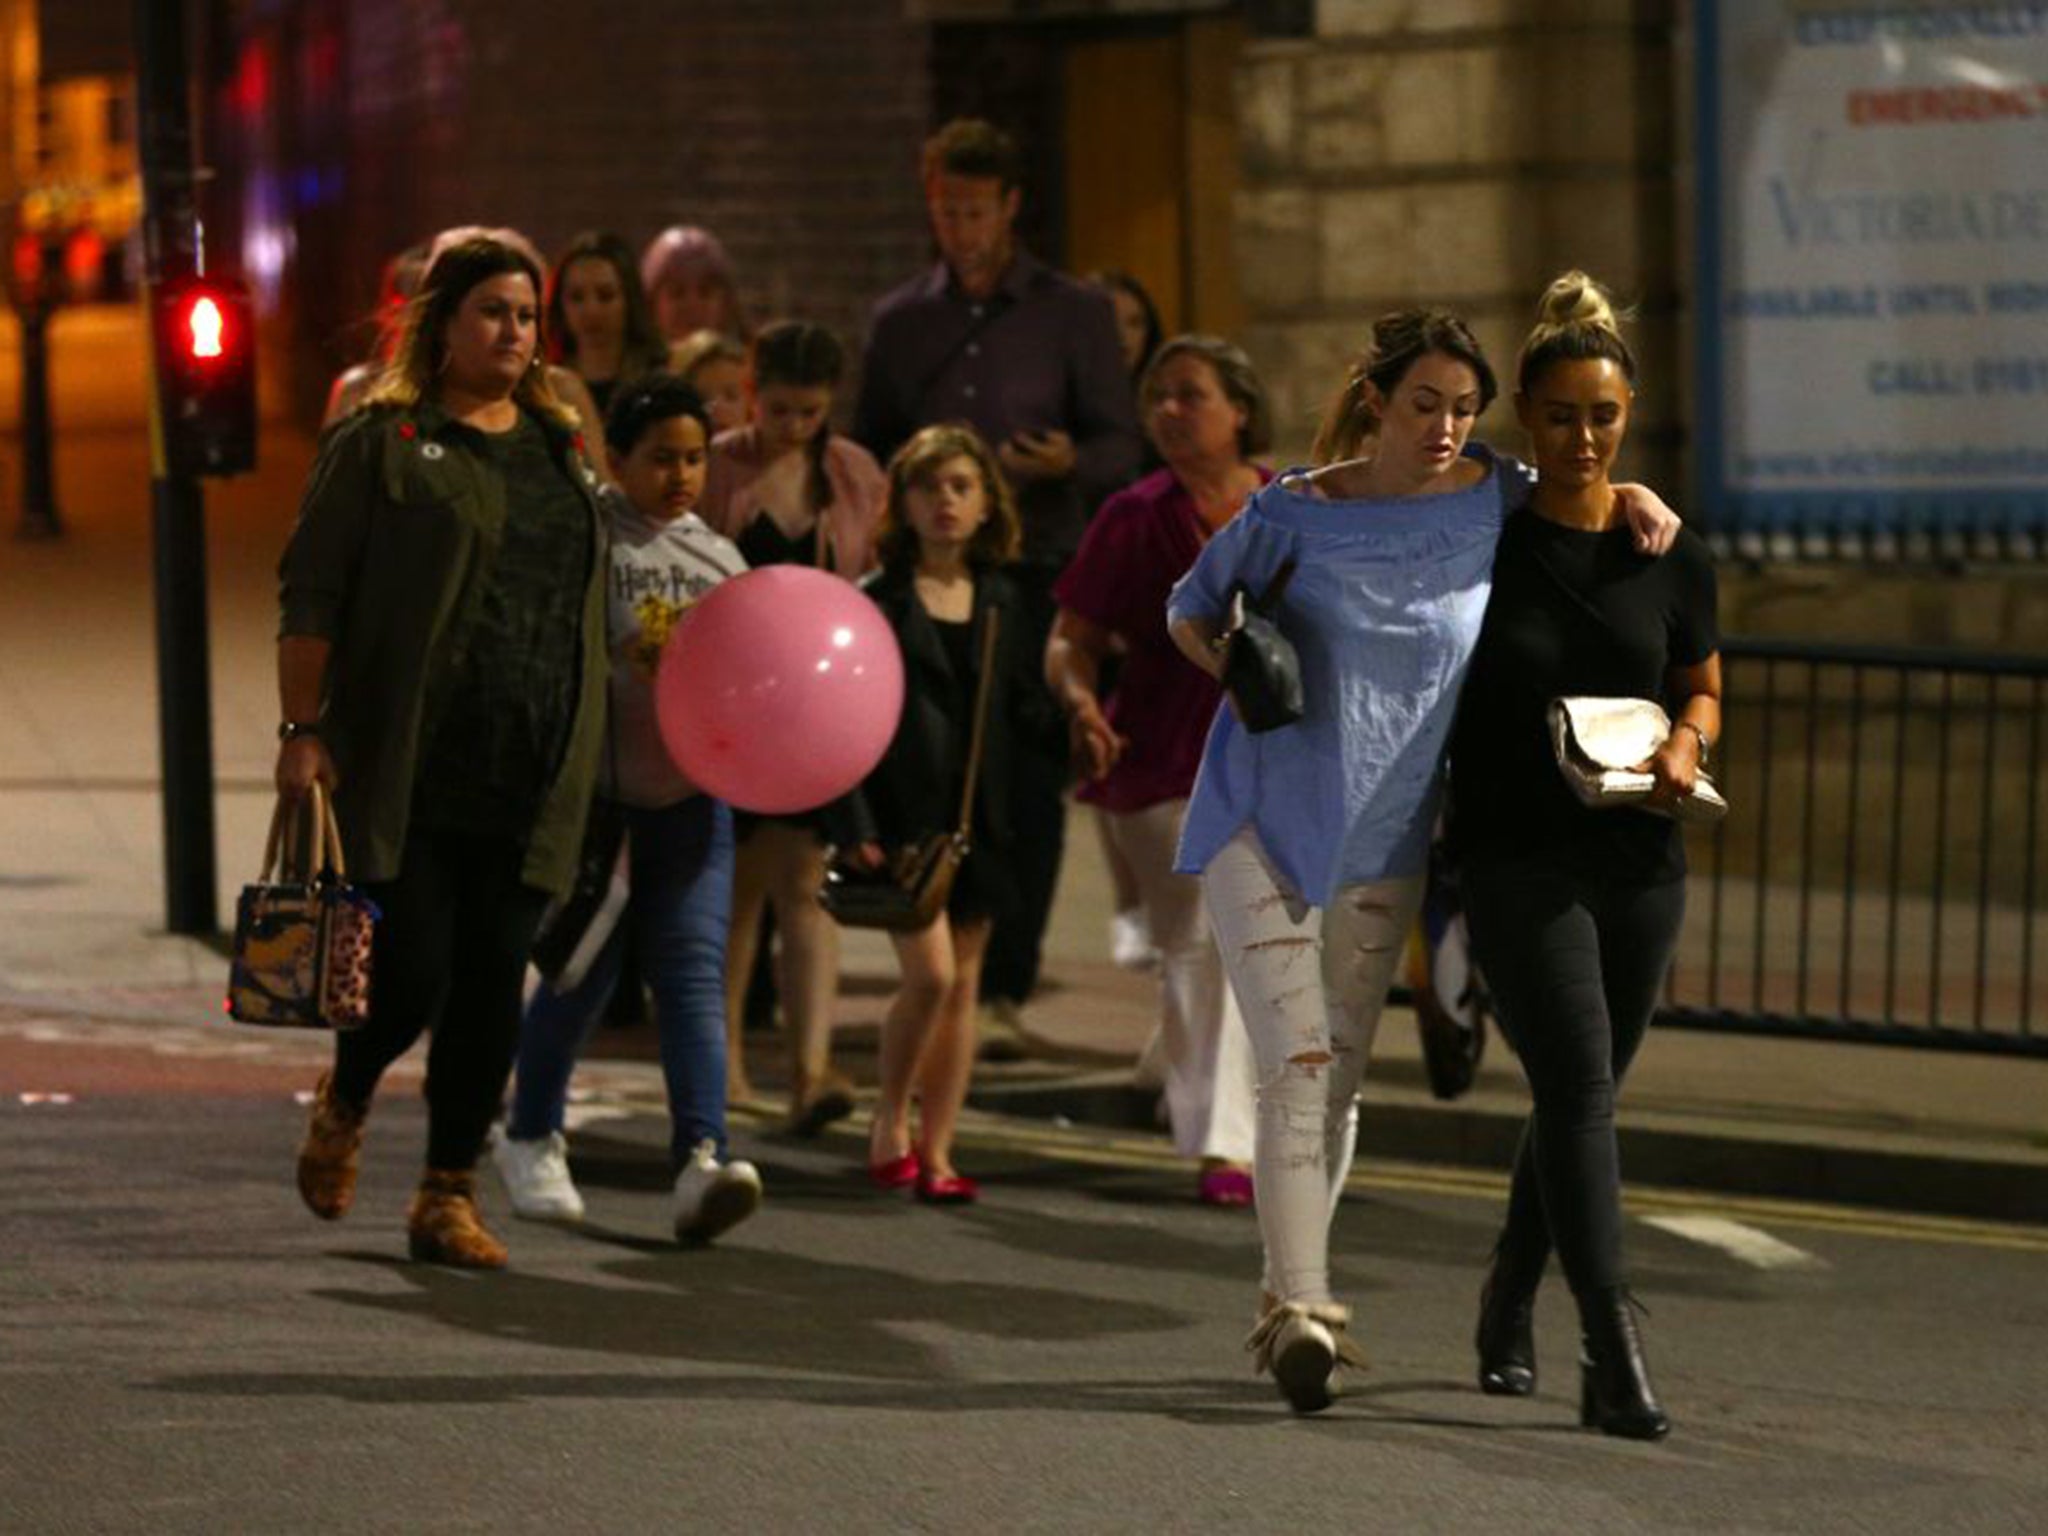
(992, 336)
(1029, 357)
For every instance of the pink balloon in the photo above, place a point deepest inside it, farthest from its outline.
(780, 690)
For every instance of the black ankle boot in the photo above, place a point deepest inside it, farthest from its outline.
(1506, 1337)
(1615, 1396)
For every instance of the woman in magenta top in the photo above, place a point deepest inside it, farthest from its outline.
(1138, 749)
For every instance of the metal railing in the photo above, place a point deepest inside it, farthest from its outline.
(1880, 874)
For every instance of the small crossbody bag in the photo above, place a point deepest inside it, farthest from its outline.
(911, 888)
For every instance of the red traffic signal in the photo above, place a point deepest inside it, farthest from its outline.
(204, 323)
(206, 376)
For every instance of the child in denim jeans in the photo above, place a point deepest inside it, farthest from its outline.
(679, 841)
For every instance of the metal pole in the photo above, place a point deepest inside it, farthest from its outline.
(39, 519)
(184, 705)
(185, 716)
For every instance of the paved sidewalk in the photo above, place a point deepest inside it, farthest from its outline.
(81, 896)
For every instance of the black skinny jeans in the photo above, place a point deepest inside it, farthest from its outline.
(450, 957)
(1575, 964)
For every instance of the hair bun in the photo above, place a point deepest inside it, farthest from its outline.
(1576, 299)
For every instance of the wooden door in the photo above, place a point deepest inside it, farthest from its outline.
(1151, 166)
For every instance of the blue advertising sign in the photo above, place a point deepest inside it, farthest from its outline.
(1873, 266)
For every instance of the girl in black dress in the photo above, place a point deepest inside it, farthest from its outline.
(1575, 912)
(949, 528)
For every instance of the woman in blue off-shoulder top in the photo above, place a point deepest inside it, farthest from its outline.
(1311, 840)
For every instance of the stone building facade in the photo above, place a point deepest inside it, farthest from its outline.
(1461, 153)
(1336, 158)
(1388, 152)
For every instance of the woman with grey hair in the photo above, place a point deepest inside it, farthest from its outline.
(1137, 749)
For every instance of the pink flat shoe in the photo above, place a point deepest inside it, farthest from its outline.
(947, 1189)
(896, 1172)
(1225, 1187)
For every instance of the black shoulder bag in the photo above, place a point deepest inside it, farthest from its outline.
(909, 891)
(1261, 671)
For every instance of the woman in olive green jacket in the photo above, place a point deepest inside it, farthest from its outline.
(441, 668)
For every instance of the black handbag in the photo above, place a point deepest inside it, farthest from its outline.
(1261, 672)
(909, 891)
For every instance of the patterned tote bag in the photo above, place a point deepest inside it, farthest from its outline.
(302, 932)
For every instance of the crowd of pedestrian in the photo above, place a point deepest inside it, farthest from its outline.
(1060, 511)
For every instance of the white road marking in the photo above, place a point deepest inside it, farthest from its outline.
(1749, 1244)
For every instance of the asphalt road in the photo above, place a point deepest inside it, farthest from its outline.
(182, 1348)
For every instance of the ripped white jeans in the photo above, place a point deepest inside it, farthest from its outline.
(1310, 982)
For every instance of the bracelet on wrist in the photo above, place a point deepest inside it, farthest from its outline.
(292, 730)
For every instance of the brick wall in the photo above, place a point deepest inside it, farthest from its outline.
(789, 127)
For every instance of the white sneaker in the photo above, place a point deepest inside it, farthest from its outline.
(713, 1196)
(1130, 941)
(536, 1175)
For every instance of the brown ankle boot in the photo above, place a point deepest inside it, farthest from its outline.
(445, 1225)
(329, 1154)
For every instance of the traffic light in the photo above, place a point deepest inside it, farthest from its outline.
(206, 376)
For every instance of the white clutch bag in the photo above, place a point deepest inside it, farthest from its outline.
(1598, 743)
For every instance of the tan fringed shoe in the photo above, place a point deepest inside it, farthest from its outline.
(1301, 1345)
(329, 1155)
(445, 1225)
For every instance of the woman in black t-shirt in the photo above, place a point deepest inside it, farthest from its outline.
(1575, 912)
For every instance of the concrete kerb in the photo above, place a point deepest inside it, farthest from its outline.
(2000, 1180)
(1402, 1124)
